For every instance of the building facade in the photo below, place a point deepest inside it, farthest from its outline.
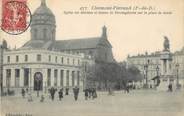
(152, 65)
(148, 64)
(43, 30)
(44, 62)
(178, 63)
(41, 68)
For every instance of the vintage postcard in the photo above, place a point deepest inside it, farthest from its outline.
(92, 57)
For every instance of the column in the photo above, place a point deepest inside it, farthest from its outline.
(12, 78)
(31, 84)
(59, 78)
(52, 77)
(64, 78)
(44, 78)
(75, 79)
(167, 67)
(4, 78)
(21, 78)
(81, 82)
(163, 67)
(70, 78)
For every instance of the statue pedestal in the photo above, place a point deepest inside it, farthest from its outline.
(165, 81)
(163, 85)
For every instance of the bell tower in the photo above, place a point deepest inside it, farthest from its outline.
(104, 32)
(43, 26)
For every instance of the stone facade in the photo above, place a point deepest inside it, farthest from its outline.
(43, 29)
(155, 60)
(178, 58)
(140, 61)
(45, 62)
(57, 69)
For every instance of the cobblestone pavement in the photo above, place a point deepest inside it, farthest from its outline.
(136, 103)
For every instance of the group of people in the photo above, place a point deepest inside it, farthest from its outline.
(90, 93)
(53, 90)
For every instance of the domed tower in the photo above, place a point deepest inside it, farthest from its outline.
(43, 26)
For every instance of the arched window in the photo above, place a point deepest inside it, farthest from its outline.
(35, 33)
(53, 34)
(106, 56)
(44, 33)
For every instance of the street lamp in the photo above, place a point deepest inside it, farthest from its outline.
(45, 87)
(177, 76)
(157, 69)
(1, 65)
(158, 78)
(146, 73)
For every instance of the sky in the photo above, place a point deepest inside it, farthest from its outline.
(129, 34)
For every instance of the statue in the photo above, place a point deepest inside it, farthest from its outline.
(166, 44)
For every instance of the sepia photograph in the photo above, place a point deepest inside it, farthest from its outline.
(92, 57)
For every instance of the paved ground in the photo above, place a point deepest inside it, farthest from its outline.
(137, 103)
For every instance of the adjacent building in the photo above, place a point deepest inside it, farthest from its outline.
(178, 63)
(151, 65)
(148, 64)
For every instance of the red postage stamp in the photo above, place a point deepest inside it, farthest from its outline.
(16, 16)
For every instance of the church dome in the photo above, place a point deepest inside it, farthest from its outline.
(43, 9)
(43, 24)
(43, 15)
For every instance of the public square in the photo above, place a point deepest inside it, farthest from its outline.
(136, 103)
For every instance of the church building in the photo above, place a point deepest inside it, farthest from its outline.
(44, 62)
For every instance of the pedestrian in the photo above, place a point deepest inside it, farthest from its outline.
(127, 88)
(60, 94)
(27, 90)
(42, 98)
(109, 91)
(30, 99)
(76, 92)
(95, 94)
(23, 93)
(86, 94)
(90, 93)
(67, 91)
(170, 87)
(52, 92)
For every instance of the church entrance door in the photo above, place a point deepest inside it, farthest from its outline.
(38, 81)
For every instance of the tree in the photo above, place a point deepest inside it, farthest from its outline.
(108, 75)
(133, 74)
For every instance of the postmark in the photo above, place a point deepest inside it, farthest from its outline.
(16, 16)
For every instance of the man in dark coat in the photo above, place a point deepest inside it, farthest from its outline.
(76, 92)
(89, 93)
(60, 94)
(67, 91)
(170, 87)
(94, 93)
(52, 92)
(86, 94)
(23, 92)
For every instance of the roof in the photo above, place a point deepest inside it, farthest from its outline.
(35, 44)
(69, 44)
(73, 44)
(43, 9)
(181, 52)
